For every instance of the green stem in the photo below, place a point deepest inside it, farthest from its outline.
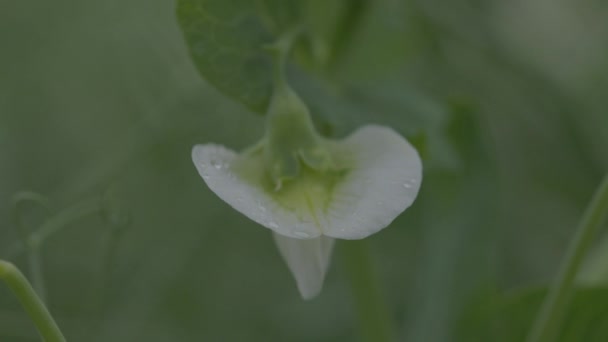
(43, 320)
(281, 50)
(553, 308)
(374, 318)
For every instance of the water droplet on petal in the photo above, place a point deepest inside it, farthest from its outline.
(261, 206)
(216, 164)
(303, 235)
(357, 217)
(273, 225)
(407, 185)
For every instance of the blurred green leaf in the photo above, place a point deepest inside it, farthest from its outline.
(594, 271)
(508, 318)
(225, 40)
(457, 237)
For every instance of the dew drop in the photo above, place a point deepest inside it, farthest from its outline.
(216, 164)
(301, 234)
(407, 185)
(261, 206)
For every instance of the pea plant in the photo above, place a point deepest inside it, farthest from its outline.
(304, 170)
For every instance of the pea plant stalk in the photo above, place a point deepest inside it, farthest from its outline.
(33, 305)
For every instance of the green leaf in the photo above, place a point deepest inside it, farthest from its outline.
(509, 318)
(226, 40)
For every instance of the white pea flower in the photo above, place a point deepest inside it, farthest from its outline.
(314, 190)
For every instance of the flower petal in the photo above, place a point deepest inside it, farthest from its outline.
(384, 179)
(382, 176)
(308, 261)
(244, 191)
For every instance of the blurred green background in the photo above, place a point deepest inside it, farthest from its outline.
(100, 99)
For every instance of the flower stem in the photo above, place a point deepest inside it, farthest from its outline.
(554, 305)
(281, 49)
(373, 314)
(43, 320)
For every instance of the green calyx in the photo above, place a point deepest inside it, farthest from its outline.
(291, 141)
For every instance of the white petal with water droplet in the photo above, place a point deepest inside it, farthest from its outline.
(384, 173)
(216, 163)
(307, 260)
(384, 179)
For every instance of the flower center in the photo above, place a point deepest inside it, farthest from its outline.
(309, 194)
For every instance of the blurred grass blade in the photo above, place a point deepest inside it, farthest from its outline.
(553, 308)
(508, 317)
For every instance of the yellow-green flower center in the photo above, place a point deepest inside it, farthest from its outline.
(309, 193)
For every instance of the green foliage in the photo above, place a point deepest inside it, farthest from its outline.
(226, 41)
(508, 318)
(99, 95)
